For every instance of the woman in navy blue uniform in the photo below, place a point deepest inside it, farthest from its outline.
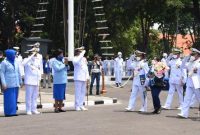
(59, 66)
(11, 81)
(156, 82)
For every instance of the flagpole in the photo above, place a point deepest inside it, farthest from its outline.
(70, 29)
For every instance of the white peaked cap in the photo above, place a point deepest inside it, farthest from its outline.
(37, 44)
(80, 48)
(165, 54)
(119, 53)
(16, 47)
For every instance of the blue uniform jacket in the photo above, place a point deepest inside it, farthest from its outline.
(60, 72)
(46, 67)
(10, 75)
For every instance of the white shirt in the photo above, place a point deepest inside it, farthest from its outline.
(140, 68)
(177, 74)
(118, 64)
(190, 66)
(80, 68)
(33, 69)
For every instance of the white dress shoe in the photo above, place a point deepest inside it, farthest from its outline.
(36, 112)
(78, 109)
(182, 116)
(83, 108)
(142, 110)
(29, 113)
(179, 108)
(129, 109)
(166, 108)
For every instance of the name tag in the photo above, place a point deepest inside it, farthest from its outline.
(196, 81)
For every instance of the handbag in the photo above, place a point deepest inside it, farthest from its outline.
(159, 82)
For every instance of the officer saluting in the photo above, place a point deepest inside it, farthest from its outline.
(81, 78)
(140, 69)
(193, 81)
(33, 69)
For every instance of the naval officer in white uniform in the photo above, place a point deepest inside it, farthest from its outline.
(33, 69)
(81, 78)
(177, 79)
(193, 81)
(118, 68)
(140, 70)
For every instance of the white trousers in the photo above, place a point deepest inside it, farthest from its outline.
(193, 102)
(187, 100)
(172, 89)
(105, 71)
(135, 91)
(31, 97)
(80, 91)
(118, 76)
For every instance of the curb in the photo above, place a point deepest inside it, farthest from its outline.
(22, 107)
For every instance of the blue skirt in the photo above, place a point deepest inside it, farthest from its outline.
(10, 103)
(59, 91)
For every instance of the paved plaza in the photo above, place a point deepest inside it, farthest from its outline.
(110, 119)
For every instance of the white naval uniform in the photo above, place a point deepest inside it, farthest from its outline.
(130, 61)
(177, 79)
(190, 90)
(19, 59)
(33, 69)
(118, 68)
(81, 75)
(112, 63)
(105, 67)
(193, 102)
(140, 68)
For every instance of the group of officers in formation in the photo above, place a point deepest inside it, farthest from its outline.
(16, 72)
(176, 69)
(181, 73)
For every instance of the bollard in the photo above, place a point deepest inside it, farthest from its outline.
(103, 91)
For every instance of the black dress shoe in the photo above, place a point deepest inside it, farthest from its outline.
(11, 115)
(56, 111)
(154, 112)
(157, 111)
(61, 110)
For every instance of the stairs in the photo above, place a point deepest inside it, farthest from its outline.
(102, 28)
(40, 17)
